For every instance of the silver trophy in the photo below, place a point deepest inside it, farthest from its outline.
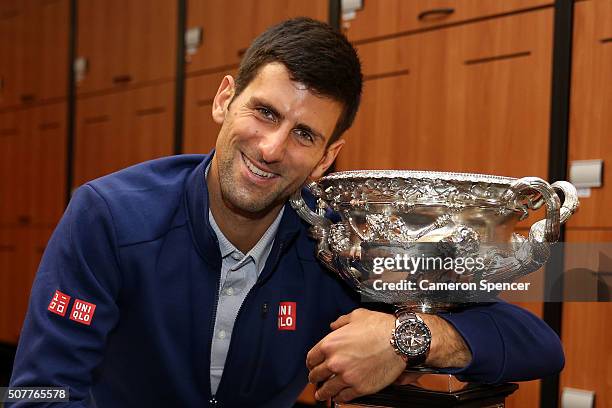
(401, 234)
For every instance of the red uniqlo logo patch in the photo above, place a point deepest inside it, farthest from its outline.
(82, 311)
(286, 315)
(59, 303)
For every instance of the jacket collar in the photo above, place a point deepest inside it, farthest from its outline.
(205, 239)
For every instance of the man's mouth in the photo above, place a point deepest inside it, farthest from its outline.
(256, 170)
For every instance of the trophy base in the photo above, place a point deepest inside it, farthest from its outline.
(434, 390)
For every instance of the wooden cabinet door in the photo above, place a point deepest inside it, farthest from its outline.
(11, 51)
(33, 51)
(21, 249)
(126, 42)
(47, 32)
(9, 264)
(13, 150)
(45, 161)
(472, 98)
(587, 327)
(229, 26)
(200, 130)
(121, 129)
(388, 17)
(591, 105)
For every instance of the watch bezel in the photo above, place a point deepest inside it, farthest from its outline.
(405, 329)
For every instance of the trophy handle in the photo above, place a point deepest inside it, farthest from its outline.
(570, 201)
(547, 230)
(320, 225)
(311, 217)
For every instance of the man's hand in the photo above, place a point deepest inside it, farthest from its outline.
(357, 358)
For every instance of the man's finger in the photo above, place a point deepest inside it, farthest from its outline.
(315, 356)
(319, 374)
(339, 322)
(330, 388)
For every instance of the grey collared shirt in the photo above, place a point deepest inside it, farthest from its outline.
(239, 272)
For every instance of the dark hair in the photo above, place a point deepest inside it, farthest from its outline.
(314, 54)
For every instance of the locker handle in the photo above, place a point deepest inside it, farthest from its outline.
(7, 248)
(25, 98)
(436, 14)
(122, 79)
(24, 219)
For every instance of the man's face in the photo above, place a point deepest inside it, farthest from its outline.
(273, 137)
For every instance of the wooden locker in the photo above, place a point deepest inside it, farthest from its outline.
(33, 244)
(34, 51)
(47, 31)
(591, 105)
(117, 130)
(13, 194)
(9, 263)
(200, 130)
(586, 328)
(21, 249)
(11, 51)
(45, 162)
(472, 98)
(388, 17)
(126, 43)
(228, 26)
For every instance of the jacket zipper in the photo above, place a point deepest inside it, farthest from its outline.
(252, 290)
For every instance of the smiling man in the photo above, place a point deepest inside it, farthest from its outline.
(189, 281)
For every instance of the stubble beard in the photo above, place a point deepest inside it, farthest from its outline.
(240, 199)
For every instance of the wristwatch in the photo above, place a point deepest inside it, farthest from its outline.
(411, 338)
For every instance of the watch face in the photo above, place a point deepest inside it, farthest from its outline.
(412, 338)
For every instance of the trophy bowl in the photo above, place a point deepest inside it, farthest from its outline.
(430, 241)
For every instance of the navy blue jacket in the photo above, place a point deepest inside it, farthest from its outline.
(137, 244)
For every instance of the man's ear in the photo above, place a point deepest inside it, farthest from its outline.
(328, 158)
(224, 96)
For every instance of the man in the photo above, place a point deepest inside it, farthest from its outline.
(189, 281)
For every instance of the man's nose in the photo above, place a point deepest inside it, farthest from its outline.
(273, 144)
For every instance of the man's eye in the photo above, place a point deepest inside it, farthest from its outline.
(305, 136)
(267, 114)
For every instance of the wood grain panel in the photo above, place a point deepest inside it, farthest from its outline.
(45, 160)
(27, 246)
(591, 105)
(33, 51)
(121, 129)
(126, 42)
(586, 332)
(200, 129)
(443, 111)
(387, 17)
(49, 25)
(234, 24)
(9, 259)
(12, 51)
(12, 168)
